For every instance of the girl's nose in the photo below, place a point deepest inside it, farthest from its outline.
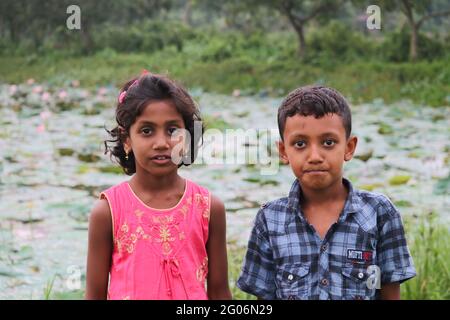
(160, 142)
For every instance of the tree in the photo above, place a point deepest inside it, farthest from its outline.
(413, 8)
(299, 13)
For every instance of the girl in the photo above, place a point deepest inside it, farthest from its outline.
(157, 235)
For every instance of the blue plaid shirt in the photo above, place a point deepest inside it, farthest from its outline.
(365, 248)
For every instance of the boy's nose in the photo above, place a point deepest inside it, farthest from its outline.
(314, 155)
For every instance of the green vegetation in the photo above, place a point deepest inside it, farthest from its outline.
(428, 241)
(363, 66)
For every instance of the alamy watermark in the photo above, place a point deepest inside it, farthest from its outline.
(73, 22)
(373, 21)
(229, 147)
(73, 280)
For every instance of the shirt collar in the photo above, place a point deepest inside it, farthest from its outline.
(352, 203)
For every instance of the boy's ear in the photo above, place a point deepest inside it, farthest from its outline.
(282, 152)
(350, 148)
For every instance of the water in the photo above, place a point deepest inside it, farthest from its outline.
(47, 187)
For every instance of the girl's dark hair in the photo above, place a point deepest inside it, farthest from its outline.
(314, 101)
(139, 92)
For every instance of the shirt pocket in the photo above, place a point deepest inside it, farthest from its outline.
(293, 282)
(355, 285)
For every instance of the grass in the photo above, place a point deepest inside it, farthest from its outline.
(361, 81)
(429, 243)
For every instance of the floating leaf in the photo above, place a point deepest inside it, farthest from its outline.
(399, 180)
(385, 129)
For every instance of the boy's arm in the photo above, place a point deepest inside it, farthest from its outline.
(217, 253)
(258, 269)
(100, 245)
(393, 256)
(390, 291)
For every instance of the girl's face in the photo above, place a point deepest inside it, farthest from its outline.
(153, 137)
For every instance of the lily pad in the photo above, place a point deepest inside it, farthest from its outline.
(371, 187)
(399, 180)
(364, 156)
(403, 203)
(88, 157)
(442, 187)
(385, 129)
(111, 169)
(66, 152)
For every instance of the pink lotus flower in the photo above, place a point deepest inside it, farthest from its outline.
(75, 83)
(45, 114)
(30, 81)
(45, 96)
(37, 89)
(102, 91)
(62, 94)
(12, 89)
(41, 128)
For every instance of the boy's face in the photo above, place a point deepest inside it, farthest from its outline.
(316, 149)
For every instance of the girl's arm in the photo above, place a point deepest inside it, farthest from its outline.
(217, 253)
(99, 251)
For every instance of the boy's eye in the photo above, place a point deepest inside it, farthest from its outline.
(300, 144)
(146, 130)
(329, 142)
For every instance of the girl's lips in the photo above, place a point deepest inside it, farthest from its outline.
(161, 159)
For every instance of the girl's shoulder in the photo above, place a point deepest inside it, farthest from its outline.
(204, 196)
(195, 187)
(115, 187)
(114, 190)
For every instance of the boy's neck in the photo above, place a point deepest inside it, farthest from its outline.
(336, 192)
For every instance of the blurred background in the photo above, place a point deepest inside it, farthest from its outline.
(58, 89)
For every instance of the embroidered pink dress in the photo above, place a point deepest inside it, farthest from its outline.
(158, 253)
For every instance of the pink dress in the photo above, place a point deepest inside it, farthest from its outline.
(158, 253)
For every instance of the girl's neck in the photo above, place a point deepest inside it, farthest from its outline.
(146, 182)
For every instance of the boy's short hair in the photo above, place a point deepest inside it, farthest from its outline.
(314, 101)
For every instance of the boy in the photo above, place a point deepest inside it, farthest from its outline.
(326, 240)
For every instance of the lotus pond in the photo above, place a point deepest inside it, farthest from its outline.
(52, 169)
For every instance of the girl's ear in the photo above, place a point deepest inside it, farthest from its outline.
(350, 148)
(282, 152)
(125, 138)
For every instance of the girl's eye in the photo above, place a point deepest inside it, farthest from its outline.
(329, 143)
(146, 131)
(300, 144)
(172, 130)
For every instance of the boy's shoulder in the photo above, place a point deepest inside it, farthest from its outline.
(372, 209)
(377, 201)
(273, 214)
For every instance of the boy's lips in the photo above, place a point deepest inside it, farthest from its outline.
(315, 171)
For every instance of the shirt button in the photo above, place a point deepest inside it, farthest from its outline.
(290, 277)
(324, 282)
(323, 248)
(360, 275)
